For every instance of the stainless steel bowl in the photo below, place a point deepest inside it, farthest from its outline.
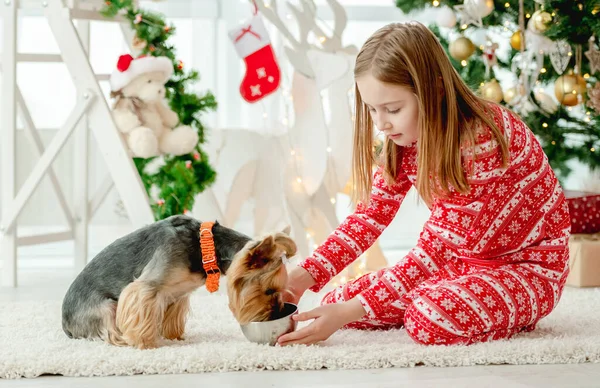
(267, 332)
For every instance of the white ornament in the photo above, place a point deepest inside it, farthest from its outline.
(469, 14)
(446, 17)
(560, 55)
(481, 7)
(593, 54)
(546, 102)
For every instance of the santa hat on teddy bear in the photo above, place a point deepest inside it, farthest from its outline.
(128, 68)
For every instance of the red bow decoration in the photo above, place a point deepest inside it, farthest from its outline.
(124, 62)
(246, 31)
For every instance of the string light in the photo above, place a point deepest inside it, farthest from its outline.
(507, 5)
(332, 201)
(543, 70)
(545, 125)
(436, 3)
(463, 62)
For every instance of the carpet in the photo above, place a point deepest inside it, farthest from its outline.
(32, 343)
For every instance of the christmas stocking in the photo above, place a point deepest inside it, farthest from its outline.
(252, 43)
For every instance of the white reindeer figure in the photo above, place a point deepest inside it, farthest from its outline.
(326, 68)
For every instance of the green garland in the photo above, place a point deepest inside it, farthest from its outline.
(564, 136)
(174, 185)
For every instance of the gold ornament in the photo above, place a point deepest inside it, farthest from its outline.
(594, 95)
(511, 93)
(516, 39)
(461, 49)
(138, 43)
(569, 87)
(491, 90)
(541, 20)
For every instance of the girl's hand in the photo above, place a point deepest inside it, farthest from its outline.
(327, 320)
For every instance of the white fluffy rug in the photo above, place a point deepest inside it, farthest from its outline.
(32, 343)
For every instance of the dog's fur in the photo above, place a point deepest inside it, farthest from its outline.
(137, 289)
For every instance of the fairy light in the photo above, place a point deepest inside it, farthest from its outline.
(553, 142)
(299, 180)
(507, 5)
(528, 16)
(463, 62)
(545, 125)
(436, 3)
(329, 149)
(593, 149)
(293, 152)
(332, 201)
(543, 70)
(322, 39)
(464, 26)
(570, 53)
(586, 76)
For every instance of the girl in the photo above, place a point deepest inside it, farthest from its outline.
(491, 260)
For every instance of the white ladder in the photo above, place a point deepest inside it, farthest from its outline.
(90, 112)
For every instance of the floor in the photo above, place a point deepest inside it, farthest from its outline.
(51, 284)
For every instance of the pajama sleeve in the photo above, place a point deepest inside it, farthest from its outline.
(358, 231)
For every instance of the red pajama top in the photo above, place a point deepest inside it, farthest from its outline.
(511, 214)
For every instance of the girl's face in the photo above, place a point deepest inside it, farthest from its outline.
(394, 109)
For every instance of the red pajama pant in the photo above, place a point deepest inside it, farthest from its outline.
(465, 304)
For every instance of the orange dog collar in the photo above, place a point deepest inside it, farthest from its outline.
(209, 257)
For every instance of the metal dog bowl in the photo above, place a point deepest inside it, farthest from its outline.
(267, 332)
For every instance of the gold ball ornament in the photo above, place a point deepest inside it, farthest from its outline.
(541, 20)
(512, 93)
(491, 90)
(570, 88)
(461, 49)
(516, 39)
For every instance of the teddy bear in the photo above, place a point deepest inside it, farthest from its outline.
(148, 125)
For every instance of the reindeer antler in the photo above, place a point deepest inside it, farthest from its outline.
(299, 47)
(333, 42)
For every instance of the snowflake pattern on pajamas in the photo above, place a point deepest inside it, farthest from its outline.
(488, 264)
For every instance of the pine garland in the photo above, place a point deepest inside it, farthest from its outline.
(172, 186)
(564, 136)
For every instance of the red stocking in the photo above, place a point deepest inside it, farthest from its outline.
(252, 43)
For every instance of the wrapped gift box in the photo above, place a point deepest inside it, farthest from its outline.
(584, 260)
(584, 208)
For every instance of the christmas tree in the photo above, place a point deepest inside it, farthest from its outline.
(173, 181)
(539, 58)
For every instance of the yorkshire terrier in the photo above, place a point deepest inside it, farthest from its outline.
(138, 288)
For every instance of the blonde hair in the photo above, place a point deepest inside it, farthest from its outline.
(410, 55)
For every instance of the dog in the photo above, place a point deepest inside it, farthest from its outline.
(137, 289)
